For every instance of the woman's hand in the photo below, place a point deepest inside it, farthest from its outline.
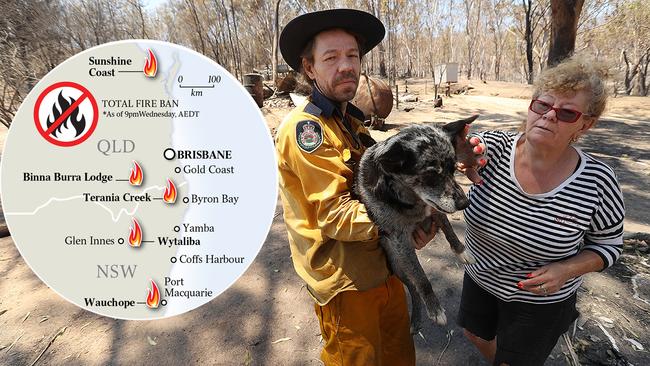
(550, 278)
(470, 154)
(546, 280)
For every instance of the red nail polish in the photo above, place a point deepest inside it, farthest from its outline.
(520, 285)
(482, 162)
(530, 275)
(479, 183)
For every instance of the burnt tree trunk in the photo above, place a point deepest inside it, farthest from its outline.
(642, 86)
(380, 47)
(382, 61)
(232, 44)
(638, 70)
(197, 24)
(528, 8)
(138, 7)
(237, 48)
(630, 73)
(274, 48)
(564, 26)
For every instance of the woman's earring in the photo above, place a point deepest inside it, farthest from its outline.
(574, 139)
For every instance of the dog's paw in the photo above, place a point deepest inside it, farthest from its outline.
(467, 257)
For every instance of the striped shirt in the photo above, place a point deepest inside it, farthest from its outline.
(512, 233)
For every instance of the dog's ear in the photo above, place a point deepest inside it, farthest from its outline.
(394, 157)
(456, 128)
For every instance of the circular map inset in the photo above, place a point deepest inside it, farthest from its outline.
(139, 179)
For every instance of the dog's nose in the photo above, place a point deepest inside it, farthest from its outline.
(460, 198)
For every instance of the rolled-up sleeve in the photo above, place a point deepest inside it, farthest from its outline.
(605, 234)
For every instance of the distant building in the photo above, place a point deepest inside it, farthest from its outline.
(446, 73)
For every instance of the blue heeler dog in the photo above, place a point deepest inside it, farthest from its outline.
(407, 181)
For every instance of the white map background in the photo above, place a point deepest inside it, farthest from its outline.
(41, 214)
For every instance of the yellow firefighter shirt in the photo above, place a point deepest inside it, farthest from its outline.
(334, 244)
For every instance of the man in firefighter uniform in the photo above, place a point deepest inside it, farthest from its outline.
(334, 245)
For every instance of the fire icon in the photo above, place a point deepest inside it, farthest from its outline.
(150, 65)
(77, 120)
(170, 192)
(153, 296)
(136, 176)
(65, 114)
(135, 236)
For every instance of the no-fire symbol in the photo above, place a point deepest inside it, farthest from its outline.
(66, 114)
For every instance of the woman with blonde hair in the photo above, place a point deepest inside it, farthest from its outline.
(546, 214)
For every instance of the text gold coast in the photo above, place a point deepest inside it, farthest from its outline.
(209, 169)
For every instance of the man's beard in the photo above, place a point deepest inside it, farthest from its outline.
(345, 96)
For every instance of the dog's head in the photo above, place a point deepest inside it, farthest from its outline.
(422, 158)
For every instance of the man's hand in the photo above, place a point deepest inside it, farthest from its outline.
(421, 238)
(470, 154)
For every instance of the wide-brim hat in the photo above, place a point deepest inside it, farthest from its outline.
(303, 28)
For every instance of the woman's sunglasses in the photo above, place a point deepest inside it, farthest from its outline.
(562, 114)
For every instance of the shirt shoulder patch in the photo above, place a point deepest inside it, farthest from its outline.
(309, 135)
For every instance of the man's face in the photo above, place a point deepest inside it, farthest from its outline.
(337, 64)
